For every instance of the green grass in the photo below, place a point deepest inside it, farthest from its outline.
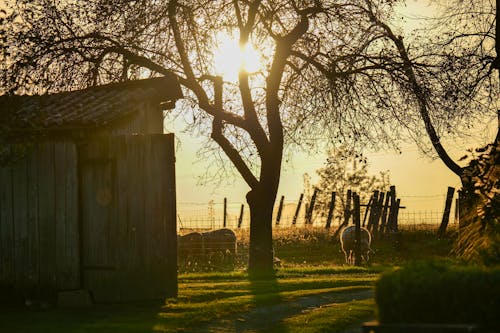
(203, 297)
(329, 318)
(312, 264)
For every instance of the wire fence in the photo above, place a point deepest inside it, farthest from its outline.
(206, 216)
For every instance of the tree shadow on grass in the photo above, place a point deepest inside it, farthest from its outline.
(266, 292)
(130, 317)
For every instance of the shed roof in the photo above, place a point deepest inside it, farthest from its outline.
(86, 108)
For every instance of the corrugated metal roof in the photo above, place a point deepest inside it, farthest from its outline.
(87, 108)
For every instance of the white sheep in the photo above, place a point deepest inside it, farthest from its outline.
(348, 243)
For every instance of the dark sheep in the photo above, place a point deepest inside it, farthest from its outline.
(219, 242)
(190, 246)
(207, 247)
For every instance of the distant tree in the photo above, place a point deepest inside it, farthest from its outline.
(345, 170)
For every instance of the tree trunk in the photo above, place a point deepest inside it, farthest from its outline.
(261, 202)
(261, 255)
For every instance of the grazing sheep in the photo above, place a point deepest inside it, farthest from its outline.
(220, 242)
(217, 246)
(348, 243)
(190, 246)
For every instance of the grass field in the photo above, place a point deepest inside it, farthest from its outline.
(311, 268)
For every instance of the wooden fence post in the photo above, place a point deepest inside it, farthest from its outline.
(383, 222)
(310, 209)
(225, 213)
(392, 209)
(379, 212)
(240, 219)
(330, 211)
(347, 213)
(280, 209)
(306, 209)
(396, 214)
(368, 207)
(446, 213)
(357, 224)
(298, 209)
(373, 209)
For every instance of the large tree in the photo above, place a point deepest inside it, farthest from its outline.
(461, 63)
(330, 69)
(453, 69)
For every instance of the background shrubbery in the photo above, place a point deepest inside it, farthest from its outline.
(438, 292)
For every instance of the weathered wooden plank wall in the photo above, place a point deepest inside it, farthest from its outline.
(128, 196)
(100, 217)
(38, 214)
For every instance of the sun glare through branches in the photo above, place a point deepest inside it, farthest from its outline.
(231, 58)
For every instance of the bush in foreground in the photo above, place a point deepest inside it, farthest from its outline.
(439, 293)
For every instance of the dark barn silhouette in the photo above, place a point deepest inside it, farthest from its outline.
(87, 193)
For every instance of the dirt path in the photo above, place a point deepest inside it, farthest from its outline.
(263, 318)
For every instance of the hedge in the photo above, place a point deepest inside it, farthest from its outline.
(436, 292)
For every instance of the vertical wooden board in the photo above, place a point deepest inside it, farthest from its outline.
(60, 212)
(136, 215)
(141, 231)
(97, 208)
(72, 256)
(20, 217)
(152, 236)
(95, 228)
(171, 216)
(46, 214)
(86, 193)
(122, 213)
(108, 182)
(125, 201)
(33, 222)
(158, 197)
(114, 241)
(66, 219)
(7, 268)
(129, 257)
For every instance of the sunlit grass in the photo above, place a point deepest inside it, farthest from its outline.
(329, 318)
(207, 296)
(203, 298)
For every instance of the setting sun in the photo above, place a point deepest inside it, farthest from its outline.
(230, 58)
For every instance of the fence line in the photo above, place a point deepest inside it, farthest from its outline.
(192, 215)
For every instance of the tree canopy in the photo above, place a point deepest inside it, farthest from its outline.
(338, 71)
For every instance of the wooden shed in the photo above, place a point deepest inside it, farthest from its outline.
(87, 193)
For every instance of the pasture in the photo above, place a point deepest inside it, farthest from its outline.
(313, 291)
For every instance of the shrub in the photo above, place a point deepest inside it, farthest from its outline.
(435, 292)
(479, 239)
